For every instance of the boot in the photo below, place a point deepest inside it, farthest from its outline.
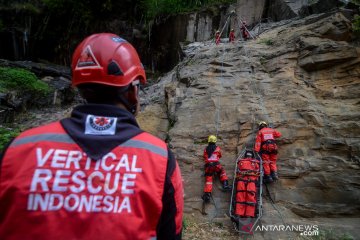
(206, 197)
(274, 176)
(226, 185)
(268, 179)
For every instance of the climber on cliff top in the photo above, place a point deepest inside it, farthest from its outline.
(244, 31)
(212, 155)
(266, 146)
(217, 37)
(232, 36)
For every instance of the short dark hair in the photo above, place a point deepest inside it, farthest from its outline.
(101, 94)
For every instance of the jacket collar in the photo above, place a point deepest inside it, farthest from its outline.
(99, 128)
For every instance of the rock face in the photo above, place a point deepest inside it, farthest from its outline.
(167, 32)
(319, 6)
(302, 78)
(198, 26)
(250, 11)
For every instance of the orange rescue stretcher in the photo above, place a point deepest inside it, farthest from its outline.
(246, 197)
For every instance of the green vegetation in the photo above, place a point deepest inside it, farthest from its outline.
(310, 2)
(262, 60)
(185, 223)
(201, 141)
(356, 22)
(21, 80)
(26, 7)
(6, 134)
(266, 41)
(153, 8)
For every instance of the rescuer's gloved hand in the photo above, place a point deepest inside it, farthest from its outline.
(226, 185)
(274, 176)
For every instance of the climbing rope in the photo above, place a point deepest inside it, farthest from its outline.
(216, 209)
(273, 204)
(267, 116)
(257, 93)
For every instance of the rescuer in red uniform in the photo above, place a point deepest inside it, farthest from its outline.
(244, 31)
(217, 37)
(232, 36)
(265, 145)
(212, 155)
(247, 175)
(96, 174)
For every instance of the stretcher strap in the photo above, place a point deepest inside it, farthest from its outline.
(249, 173)
(212, 164)
(247, 203)
(245, 191)
(252, 160)
(245, 180)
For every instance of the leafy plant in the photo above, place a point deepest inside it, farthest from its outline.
(310, 2)
(356, 21)
(21, 80)
(203, 141)
(262, 60)
(267, 41)
(153, 8)
(356, 24)
(26, 7)
(185, 223)
(6, 134)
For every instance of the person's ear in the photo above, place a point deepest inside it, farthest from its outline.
(133, 98)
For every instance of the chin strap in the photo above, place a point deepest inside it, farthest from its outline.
(130, 107)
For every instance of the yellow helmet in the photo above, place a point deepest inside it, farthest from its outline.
(212, 139)
(262, 123)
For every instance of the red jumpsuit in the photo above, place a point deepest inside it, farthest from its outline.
(247, 175)
(244, 32)
(57, 182)
(265, 144)
(232, 36)
(217, 38)
(212, 165)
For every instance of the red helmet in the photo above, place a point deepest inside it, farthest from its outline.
(106, 58)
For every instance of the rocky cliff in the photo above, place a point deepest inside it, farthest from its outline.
(303, 78)
(201, 25)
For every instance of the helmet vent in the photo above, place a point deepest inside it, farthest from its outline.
(114, 69)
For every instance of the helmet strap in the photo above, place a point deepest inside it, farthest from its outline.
(131, 107)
